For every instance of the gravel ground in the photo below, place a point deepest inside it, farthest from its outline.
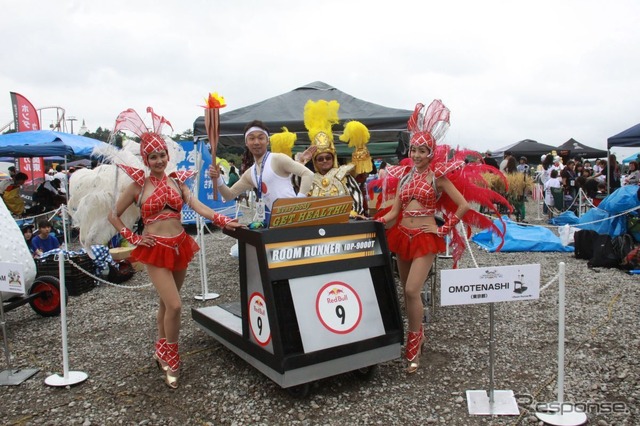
(111, 332)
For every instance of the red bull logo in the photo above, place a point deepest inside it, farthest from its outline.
(337, 295)
(258, 307)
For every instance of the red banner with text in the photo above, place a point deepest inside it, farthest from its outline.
(25, 116)
(34, 168)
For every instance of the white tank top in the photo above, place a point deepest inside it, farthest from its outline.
(273, 185)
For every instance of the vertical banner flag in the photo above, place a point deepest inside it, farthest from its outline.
(33, 168)
(25, 116)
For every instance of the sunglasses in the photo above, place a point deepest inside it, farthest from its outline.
(323, 158)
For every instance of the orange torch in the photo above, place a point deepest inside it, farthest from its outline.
(212, 123)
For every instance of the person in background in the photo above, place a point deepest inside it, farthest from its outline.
(382, 170)
(633, 175)
(44, 241)
(597, 167)
(613, 173)
(552, 182)
(490, 161)
(11, 194)
(233, 176)
(523, 167)
(27, 233)
(164, 247)
(568, 175)
(62, 177)
(587, 166)
(511, 167)
(505, 161)
(601, 194)
(12, 171)
(270, 174)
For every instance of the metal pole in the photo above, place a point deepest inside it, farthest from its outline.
(561, 313)
(4, 335)
(492, 347)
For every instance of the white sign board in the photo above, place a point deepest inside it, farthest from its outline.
(12, 277)
(489, 284)
(336, 308)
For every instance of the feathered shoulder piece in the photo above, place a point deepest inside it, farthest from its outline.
(468, 179)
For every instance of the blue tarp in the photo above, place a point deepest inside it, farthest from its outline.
(621, 200)
(43, 143)
(565, 218)
(631, 158)
(520, 238)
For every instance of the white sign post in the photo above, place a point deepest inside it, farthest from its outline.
(489, 285)
(68, 377)
(11, 281)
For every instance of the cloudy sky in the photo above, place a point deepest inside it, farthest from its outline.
(508, 70)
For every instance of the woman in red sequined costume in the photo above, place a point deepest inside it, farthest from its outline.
(164, 247)
(416, 238)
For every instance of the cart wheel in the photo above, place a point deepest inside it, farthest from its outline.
(48, 302)
(366, 373)
(299, 391)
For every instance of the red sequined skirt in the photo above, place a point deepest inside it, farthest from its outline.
(173, 253)
(411, 243)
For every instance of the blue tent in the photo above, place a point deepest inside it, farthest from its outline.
(629, 137)
(43, 143)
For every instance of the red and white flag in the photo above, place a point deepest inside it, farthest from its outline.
(25, 115)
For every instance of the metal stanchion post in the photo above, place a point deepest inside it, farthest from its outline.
(562, 417)
(68, 377)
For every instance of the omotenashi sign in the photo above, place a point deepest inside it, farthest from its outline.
(490, 284)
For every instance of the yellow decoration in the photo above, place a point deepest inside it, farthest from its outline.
(319, 118)
(357, 135)
(283, 142)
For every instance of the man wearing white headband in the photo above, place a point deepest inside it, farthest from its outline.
(270, 173)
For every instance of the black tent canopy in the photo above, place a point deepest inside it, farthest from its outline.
(627, 138)
(385, 125)
(572, 148)
(526, 148)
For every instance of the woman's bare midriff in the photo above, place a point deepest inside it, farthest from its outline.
(418, 221)
(164, 228)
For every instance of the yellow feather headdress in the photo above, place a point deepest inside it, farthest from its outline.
(319, 117)
(283, 142)
(357, 135)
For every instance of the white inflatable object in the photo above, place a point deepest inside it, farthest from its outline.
(13, 248)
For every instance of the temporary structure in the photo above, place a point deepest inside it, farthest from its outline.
(628, 138)
(386, 125)
(528, 148)
(43, 143)
(572, 148)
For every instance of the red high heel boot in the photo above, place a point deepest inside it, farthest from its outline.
(415, 342)
(161, 348)
(172, 358)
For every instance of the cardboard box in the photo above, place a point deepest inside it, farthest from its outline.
(120, 253)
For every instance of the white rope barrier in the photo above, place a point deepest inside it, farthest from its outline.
(50, 212)
(105, 281)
